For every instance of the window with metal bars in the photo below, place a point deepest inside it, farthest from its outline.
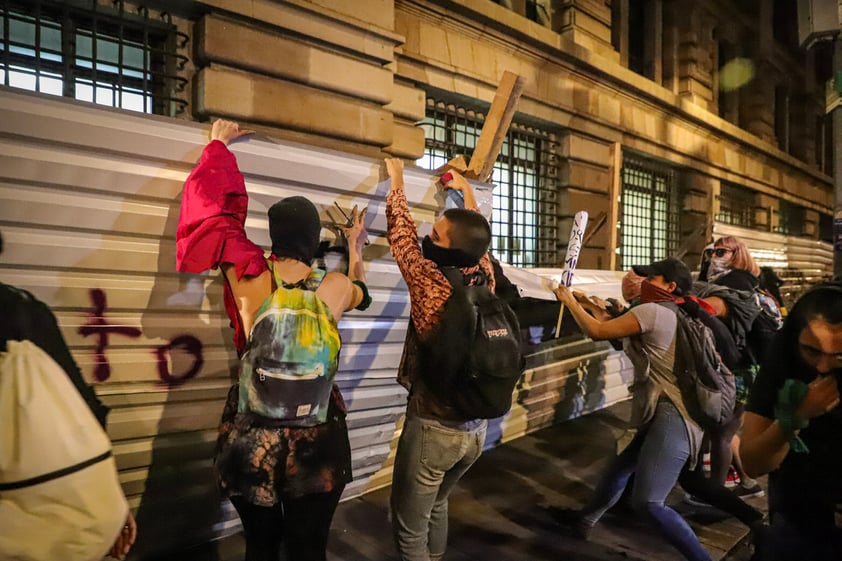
(649, 212)
(524, 217)
(538, 11)
(736, 206)
(792, 218)
(114, 53)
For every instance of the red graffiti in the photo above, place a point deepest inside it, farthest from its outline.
(99, 327)
(189, 344)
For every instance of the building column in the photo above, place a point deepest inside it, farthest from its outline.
(653, 49)
(756, 102)
(695, 65)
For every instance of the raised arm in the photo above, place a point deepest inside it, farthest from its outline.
(211, 224)
(766, 442)
(428, 287)
(214, 205)
(622, 326)
(401, 230)
(357, 235)
(459, 183)
(227, 131)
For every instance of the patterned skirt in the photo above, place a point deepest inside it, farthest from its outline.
(262, 463)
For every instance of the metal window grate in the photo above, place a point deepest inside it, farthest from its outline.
(736, 206)
(649, 223)
(116, 54)
(524, 221)
(792, 219)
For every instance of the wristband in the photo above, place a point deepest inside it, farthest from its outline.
(790, 397)
(366, 301)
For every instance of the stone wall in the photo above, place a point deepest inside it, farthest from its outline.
(354, 77)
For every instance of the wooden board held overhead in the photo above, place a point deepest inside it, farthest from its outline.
(496, 126)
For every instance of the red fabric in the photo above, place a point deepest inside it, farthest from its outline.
(211, 230)
(702, 304)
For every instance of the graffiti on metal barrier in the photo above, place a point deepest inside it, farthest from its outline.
(99, 327)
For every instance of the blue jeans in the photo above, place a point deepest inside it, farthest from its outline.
(655, 457)
(430, 460)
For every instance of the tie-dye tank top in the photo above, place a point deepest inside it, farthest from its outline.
(291, 357)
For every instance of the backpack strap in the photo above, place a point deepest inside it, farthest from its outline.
(671, 305)
(457, 278)
(311, 282)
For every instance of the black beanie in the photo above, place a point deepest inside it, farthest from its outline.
(294, 228)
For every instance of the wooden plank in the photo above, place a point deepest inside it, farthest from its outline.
(458, 163)
(496, 126)
(596, 226)
(614, 203)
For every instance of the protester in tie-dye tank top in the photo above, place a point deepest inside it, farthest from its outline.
(285, 482)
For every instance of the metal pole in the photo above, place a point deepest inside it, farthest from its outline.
(837, 166)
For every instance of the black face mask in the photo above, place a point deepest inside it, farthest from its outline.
(445, 256)
(294, 229)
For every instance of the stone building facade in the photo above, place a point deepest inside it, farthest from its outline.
(669, 121)
(658, 117)
(634, 110)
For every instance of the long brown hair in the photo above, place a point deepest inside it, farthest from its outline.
(740, 257)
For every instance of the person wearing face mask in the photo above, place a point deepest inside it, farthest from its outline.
(437, 445)
(793, 428)
(701, 490)
(667, 438)
(284, 479)
(732, 265)
(732, 277)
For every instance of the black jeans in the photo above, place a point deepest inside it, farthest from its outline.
(695, 483)
(300, 524)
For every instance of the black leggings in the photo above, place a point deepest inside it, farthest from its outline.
(299, 524)
(720, 446)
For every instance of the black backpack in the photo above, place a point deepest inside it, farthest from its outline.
(473, 359)
(764, 327)
(707, 386)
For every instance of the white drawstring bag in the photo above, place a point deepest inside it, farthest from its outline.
(60, 498)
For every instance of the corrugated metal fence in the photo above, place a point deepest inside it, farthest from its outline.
(799, 262)
(89, 201)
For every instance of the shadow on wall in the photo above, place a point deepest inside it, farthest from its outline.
(539, 387)
(180, 505)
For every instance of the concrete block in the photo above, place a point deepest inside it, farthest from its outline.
(695, 201)
(242, 46)
(375, 12)
(408, 140)
(585, 149)
(251, 97)
(585, 176)
(408, 102)
(572, 201)
(361, 37)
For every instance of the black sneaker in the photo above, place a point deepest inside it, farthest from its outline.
(744, 492)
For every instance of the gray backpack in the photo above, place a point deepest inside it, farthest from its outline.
(707, 386)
